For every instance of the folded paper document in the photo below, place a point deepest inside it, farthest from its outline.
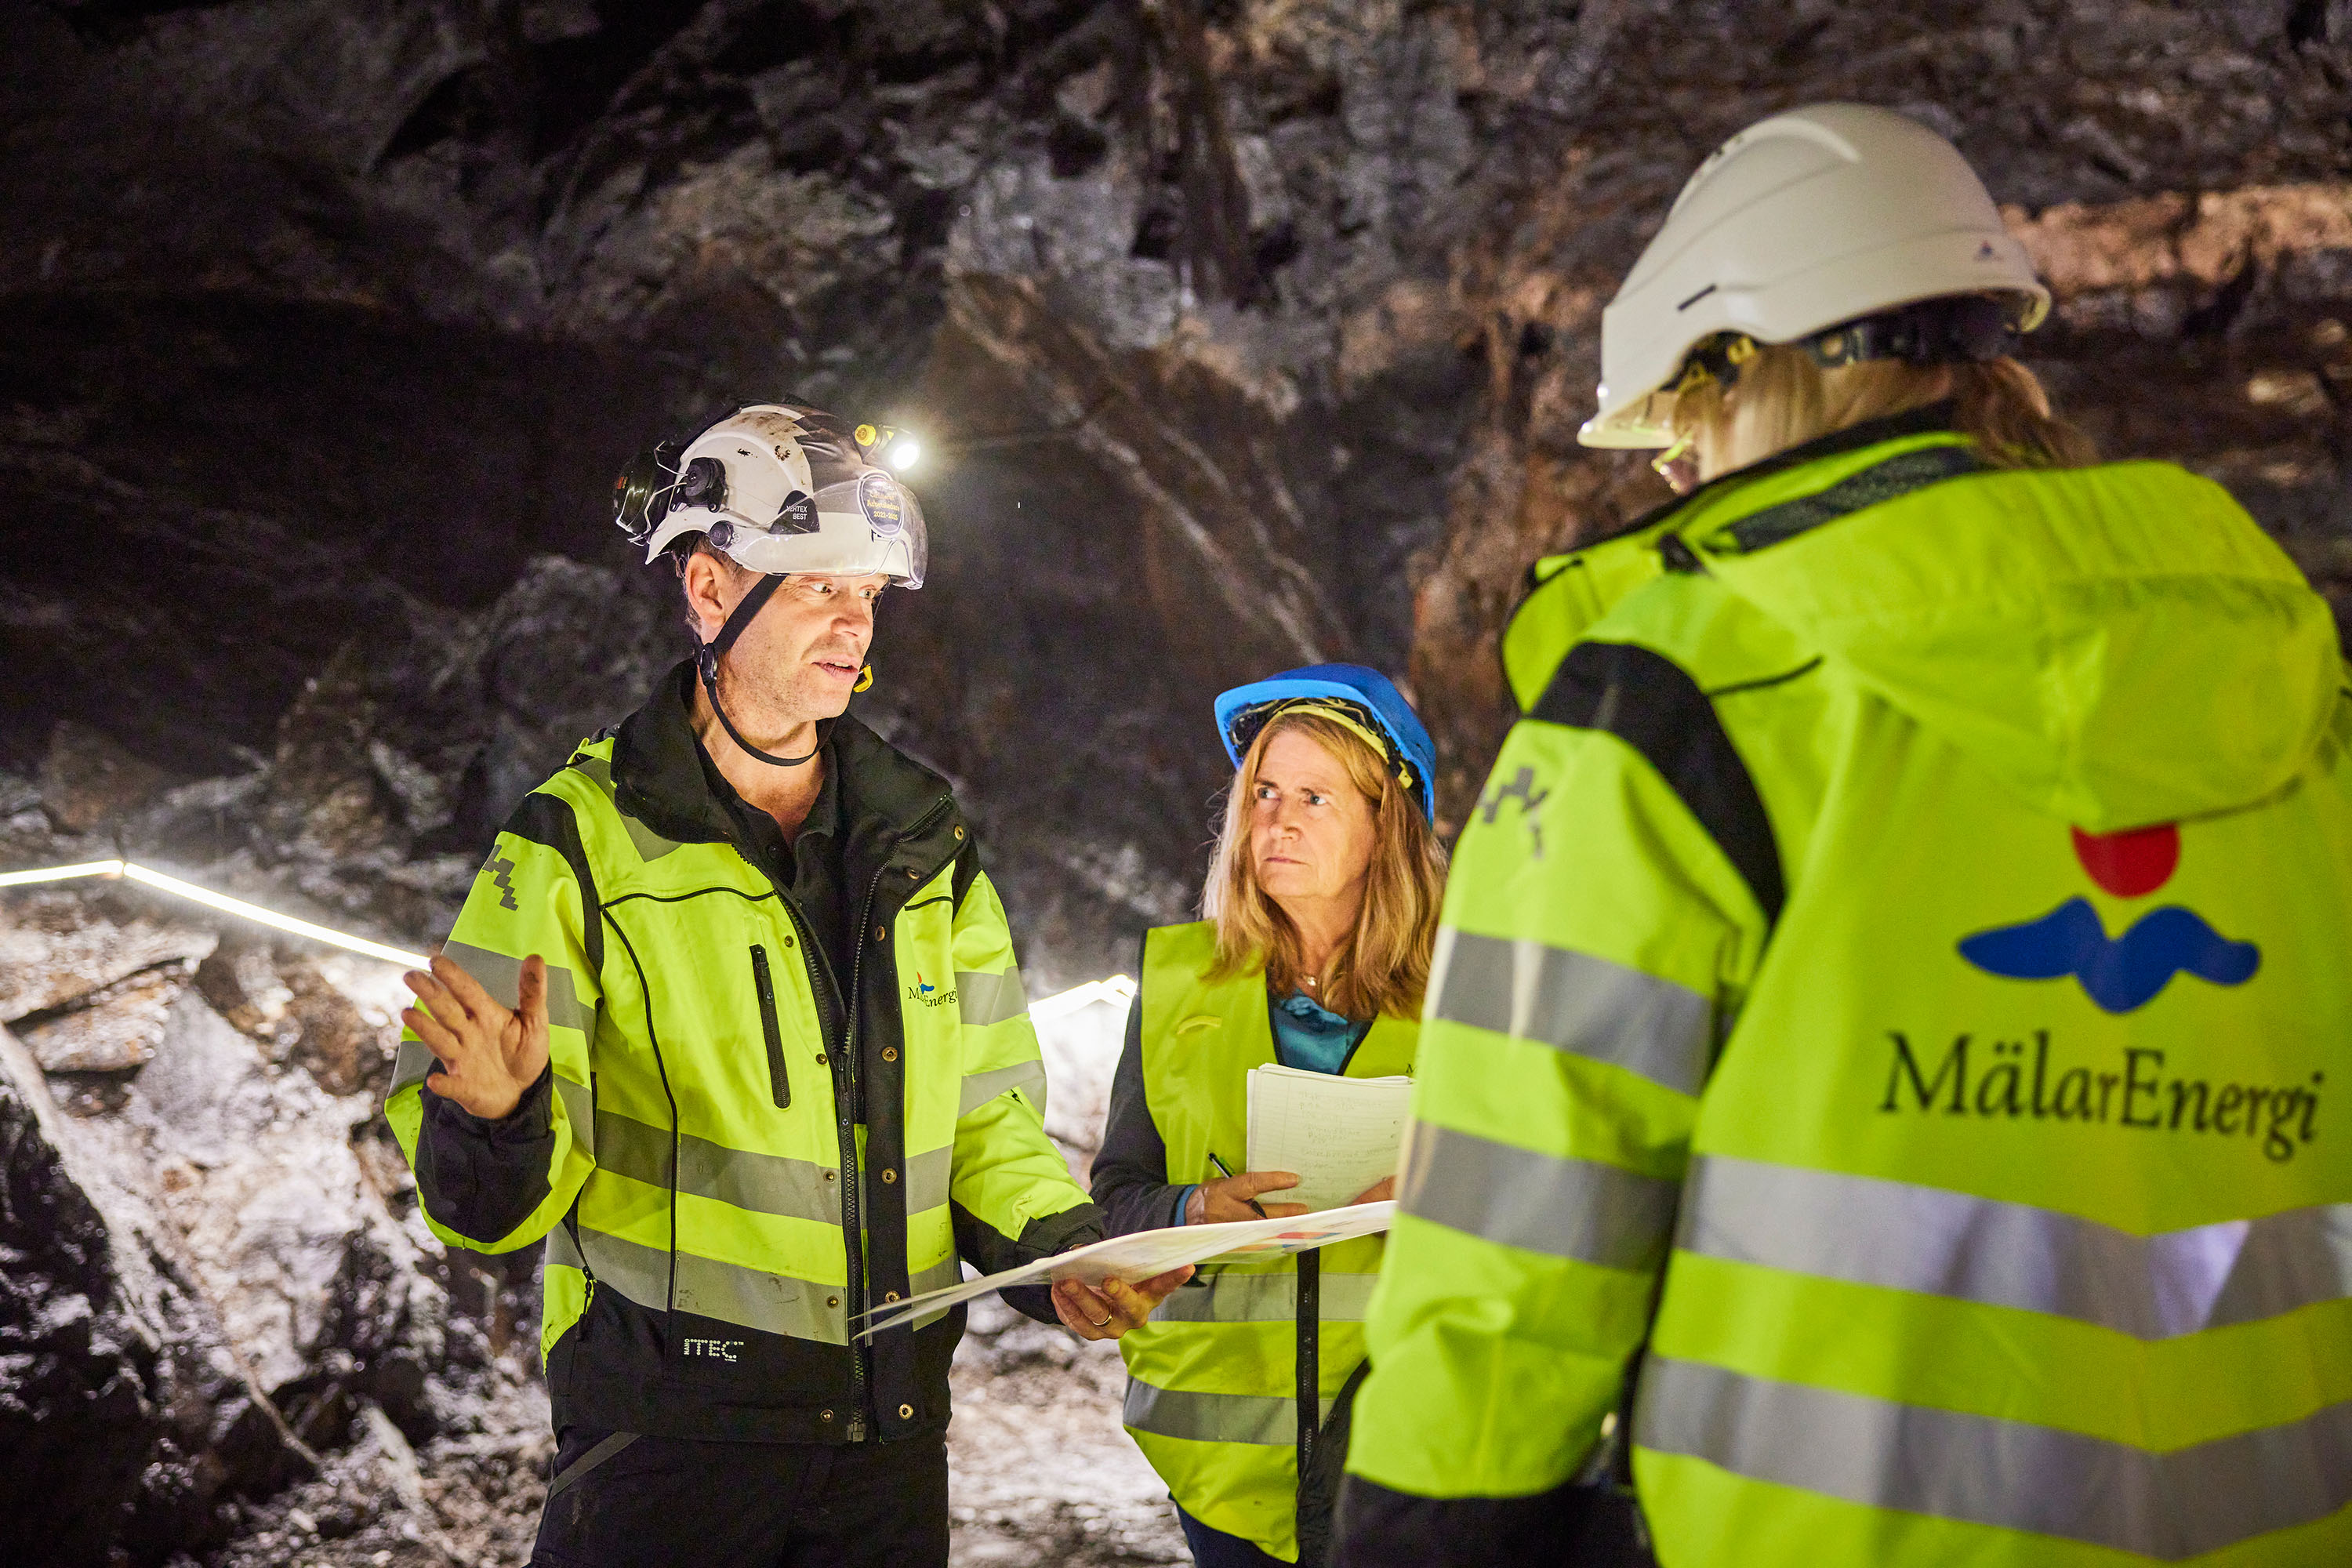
(1337, 1135)
(1148, 1254)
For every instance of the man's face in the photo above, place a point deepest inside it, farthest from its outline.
(800, 656)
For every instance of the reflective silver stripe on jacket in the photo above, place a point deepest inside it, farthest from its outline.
(982, 999)
(1213, 1417)
(1871, 1231)
(502, 976)
(928, 1175)
(1216, 1295)
(580, 1110)
(1573, 1002)
(1571, 1208)
(650, 846)
(747, 1298)
(765, 1183)
(948, 1271)
(980, 1088)
(413, 1064)
(2011, 1474)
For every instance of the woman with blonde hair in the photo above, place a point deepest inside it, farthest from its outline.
(1322, 905)
(1934, 779)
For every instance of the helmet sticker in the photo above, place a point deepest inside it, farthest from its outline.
(797, 516)
(879, 499)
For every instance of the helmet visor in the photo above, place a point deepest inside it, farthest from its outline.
(868, 525)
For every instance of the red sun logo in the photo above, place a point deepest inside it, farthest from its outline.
(2132, 864)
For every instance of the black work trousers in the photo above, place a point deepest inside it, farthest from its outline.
(619, 1502)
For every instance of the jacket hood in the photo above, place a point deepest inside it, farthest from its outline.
(2120, 645)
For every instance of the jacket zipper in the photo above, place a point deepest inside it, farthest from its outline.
(858, 1288)
(765, 985)
(821, 983)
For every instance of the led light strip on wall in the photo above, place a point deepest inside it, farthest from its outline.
(1118, 990)
(211, 900)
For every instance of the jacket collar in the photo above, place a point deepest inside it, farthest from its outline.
(1936, 418)
(657, 778)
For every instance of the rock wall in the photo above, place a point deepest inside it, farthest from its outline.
(1243, 331)
(216, 1284)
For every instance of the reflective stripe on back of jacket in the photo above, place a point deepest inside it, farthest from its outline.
(1213, 1380)
(1988, 1149)
(699, 1279)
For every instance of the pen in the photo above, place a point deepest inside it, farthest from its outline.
(1228, 1175)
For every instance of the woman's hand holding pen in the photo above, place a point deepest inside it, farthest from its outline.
(1235, 1198)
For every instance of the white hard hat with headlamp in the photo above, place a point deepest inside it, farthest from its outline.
(783, 490)
(780, 489)
(1836, 217)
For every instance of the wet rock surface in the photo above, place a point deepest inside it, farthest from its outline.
(1242, 333)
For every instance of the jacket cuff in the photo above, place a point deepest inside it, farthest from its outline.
(1046, 1237)
(532, 1119)
(479, 1177)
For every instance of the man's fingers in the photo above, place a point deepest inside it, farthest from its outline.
(438, 1037)
(1284, 1210)
(1073, 1320)
(1088, 1299)
(1250, 1184)
(1082, 1312)
(530, 993)
(1128, 1300)
(1163, 1285)
(466, 989)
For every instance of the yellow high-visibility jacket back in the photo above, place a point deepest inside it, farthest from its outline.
(1905, 945)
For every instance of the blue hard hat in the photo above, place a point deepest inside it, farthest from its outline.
(1367, 693)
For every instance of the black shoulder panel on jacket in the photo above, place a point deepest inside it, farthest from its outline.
(1898, 476)
(1648, 702)
(967, 868)
(548, 820)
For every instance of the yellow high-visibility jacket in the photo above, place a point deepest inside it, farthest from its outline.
(739, 1147)
(1892, 1003)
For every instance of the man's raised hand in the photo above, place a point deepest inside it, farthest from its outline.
(488, 1055)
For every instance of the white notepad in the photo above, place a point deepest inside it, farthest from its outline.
(1339, 1135)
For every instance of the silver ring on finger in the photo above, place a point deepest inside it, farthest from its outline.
(1104, 1323)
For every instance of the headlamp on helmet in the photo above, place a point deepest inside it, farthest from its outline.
(780, 489)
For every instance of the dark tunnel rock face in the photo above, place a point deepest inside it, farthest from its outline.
(78, 1400)
(1242, 335)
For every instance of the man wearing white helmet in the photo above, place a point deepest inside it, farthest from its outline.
(731, 1021)
(1875, 1095)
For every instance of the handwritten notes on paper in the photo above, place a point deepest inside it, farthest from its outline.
(1337, 1135)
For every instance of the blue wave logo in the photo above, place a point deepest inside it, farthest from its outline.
(2119, 975)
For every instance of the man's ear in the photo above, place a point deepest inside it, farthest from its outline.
(707, 583)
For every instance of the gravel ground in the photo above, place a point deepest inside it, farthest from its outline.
(1042, 1474)
(1042, 1471)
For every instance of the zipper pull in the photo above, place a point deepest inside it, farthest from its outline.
(1679, 556)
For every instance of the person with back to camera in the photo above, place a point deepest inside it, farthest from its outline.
(731, 1019)
(1322, 903)
(1880, 1059)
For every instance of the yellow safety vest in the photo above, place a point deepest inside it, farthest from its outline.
(1212, 1394)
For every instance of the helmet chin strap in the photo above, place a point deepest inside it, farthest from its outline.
(707, 657)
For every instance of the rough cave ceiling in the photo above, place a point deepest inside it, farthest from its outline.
(1246, 333)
